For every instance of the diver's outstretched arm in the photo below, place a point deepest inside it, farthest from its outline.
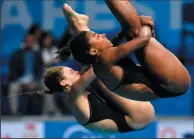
(117, 53)
(80, 86)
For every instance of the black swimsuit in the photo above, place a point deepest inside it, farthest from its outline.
(100, 109)
(136, 74)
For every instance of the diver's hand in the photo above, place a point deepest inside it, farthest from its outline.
(148, 21)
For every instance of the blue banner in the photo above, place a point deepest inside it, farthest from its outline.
(60, 129)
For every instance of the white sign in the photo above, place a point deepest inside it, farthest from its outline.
(174, 128)
(22, 130)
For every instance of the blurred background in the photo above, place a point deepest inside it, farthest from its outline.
(39, 27)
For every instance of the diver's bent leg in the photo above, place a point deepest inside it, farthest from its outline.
(164, 66)
(138, 113)
(126, 15)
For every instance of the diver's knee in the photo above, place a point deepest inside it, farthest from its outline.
(145, 119)
(143, 125)
(177, 89)
(180, 84)
(185, 85)
(148, 118)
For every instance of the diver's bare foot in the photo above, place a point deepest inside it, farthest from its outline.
(77, 21)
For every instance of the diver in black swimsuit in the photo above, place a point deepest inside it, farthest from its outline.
(94, 106)
(158, 76)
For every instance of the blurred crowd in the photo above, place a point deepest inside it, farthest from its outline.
(26, 70)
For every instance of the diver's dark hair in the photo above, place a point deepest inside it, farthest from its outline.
(80, 49)
(52, 77)
(64, 51)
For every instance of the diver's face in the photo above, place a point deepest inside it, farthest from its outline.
(98, 41)
(70, 75)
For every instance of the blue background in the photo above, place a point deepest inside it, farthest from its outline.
(56, 129)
